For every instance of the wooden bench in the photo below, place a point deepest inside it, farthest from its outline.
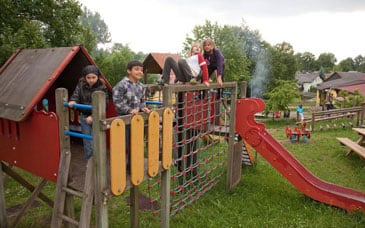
(354, 146)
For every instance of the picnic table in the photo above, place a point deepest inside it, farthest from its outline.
(357, 146)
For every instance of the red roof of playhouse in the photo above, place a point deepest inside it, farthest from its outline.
(28, 75)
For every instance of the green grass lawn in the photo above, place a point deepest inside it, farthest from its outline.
(263, 198)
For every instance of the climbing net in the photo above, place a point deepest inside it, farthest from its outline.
(200, 148)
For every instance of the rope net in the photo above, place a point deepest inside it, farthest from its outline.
(200, 149)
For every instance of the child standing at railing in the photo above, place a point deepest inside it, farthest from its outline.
(90, 82)
(129, 96)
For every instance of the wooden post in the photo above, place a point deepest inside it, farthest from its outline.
(312, 123)
(362, 114)
(358, 118)
(65, 159)
(166, 174)
(99, 139)
(88, 194)
(11, 173)
(243, 89)
(233, 176)
(29, 202)
(3, 220)
(134, 207)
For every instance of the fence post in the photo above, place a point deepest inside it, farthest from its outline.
(362, 114)
(312, 123)
(99, 142)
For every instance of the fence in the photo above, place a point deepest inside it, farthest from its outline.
(338, 113)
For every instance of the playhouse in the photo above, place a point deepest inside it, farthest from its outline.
(25, 124)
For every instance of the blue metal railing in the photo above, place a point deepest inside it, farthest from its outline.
(76, 134)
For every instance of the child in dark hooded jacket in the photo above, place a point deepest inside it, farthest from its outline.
(89, 83)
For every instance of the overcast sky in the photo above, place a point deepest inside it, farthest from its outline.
(317, 26)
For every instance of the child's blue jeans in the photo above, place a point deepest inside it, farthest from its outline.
(88, 130)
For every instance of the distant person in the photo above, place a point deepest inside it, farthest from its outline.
(89, 83)
(129, 96)
(300, 112)
(287, 113)
(193, 69)
(215, 60)
(330, 100)
(277, 114)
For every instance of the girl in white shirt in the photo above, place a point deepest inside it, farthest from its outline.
(193, 68)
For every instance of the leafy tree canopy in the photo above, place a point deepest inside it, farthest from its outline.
(41, 24)
(97, 25)
(306, 62)
(281, 96)
(327, 61)
(113, 63)
(230, 40)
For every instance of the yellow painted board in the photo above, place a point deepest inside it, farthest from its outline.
(153, 143)
(117, 157)
(167, 133)
(137, 150)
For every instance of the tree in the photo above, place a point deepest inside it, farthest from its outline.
(281, 96)
(359, 62)
(306, 62)
(97, 25)
(346, 65)
(39, 24)
(322, 74)
(283, 64)
(113, 63)
(327, 61)
(230, 41)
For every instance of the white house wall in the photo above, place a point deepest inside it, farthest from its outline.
(314, 83)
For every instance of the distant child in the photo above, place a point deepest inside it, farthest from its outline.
(129, 96)
(89, 83)
(214, 59)
(300, 111)
(193, 69)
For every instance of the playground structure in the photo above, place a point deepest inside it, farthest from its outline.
(298, 133)
(185, 169)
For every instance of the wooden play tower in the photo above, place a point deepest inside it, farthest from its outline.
(40, 135)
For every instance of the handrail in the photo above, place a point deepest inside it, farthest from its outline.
(79, 106)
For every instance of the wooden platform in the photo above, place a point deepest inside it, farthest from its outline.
(354, 146)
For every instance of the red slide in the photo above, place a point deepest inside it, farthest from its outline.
(281, 159)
